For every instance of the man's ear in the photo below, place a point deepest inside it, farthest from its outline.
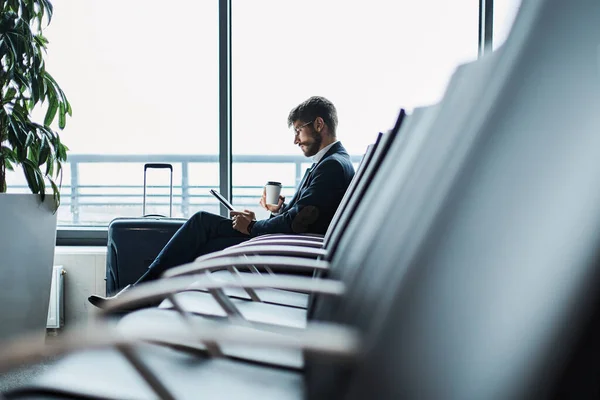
(319, 124)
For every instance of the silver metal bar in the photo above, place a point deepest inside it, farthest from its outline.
(486, 27)
(287, 251)
(144, 196)
(151, 379)
(303, 236)
(212, 347)
(226, 304)
(225, 262)
(225, 98)
(251, 292)
(328, 341)
(282, 242)
(171, 195)
(156, 290)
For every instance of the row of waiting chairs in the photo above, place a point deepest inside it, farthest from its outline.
(462, 262)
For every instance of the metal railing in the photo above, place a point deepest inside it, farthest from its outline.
(85, 202)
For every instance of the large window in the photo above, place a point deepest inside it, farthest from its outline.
(505, 12)
(370, 58)
(142, 77)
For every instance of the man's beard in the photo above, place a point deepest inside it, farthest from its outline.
(313, 148)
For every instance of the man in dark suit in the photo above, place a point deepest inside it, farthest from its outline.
(311, 209)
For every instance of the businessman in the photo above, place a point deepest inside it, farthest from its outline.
(310, 210)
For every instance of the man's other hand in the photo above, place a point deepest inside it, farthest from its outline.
(271, 207)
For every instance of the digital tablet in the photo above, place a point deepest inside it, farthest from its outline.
(222, 199)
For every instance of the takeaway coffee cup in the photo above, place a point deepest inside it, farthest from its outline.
(273, 190)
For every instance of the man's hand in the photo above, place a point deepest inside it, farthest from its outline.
(246, 213)
(241, 220)
(271, 207)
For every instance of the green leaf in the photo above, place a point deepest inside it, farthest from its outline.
(8, 154)
(44, 152)
(50, 166)
(49, 9)
(34, 155)
(21, 81)
(41, 84)
(35, 92)
(41, 40)
(62, 117)
(20, 113)
(30, 10)
(13, 53)
(56, 192)
(59, 172)
(29, 140)
(51, 112)
(10, 94)
(31, 177)
(61, 152)
(15, 133)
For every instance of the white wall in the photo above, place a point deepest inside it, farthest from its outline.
(85, 268)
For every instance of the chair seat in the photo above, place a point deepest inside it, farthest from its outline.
(150, 318)
(203, 303)
(106, 374)
(271, 296)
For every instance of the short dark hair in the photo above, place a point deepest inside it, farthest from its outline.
(312, 108)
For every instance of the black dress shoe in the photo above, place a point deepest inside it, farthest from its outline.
(103, 302)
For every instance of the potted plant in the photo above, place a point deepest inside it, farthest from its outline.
(28, 221)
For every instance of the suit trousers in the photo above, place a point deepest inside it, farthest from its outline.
(203, 233)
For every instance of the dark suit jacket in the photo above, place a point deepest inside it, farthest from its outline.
(317, 198)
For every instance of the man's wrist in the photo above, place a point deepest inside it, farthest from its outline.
(276, 213)
(251, 225)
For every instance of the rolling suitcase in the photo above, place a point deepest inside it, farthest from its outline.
(133, 243)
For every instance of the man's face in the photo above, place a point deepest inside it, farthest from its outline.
(307, 137)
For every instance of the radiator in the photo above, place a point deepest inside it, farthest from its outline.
(56, 308)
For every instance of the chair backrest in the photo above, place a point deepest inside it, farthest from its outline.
(364, 162)
(396, 211)
(359, 185)
(494, 297)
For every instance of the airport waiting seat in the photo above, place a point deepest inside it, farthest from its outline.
(357, 268)
(398, 169)
(318, 258)
(358, 262)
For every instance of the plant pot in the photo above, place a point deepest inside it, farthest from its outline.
(27, 242)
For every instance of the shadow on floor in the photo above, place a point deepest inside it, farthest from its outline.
(22, 376)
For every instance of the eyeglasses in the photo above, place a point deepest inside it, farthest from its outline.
(297, 130)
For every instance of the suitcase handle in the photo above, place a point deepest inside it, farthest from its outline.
(159, 166)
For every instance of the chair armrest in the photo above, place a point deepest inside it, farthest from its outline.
(283, 251)
(312, 237)
(225, 262)
(282, 242)
(158, 290)
(328, 341)
(319, 339)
